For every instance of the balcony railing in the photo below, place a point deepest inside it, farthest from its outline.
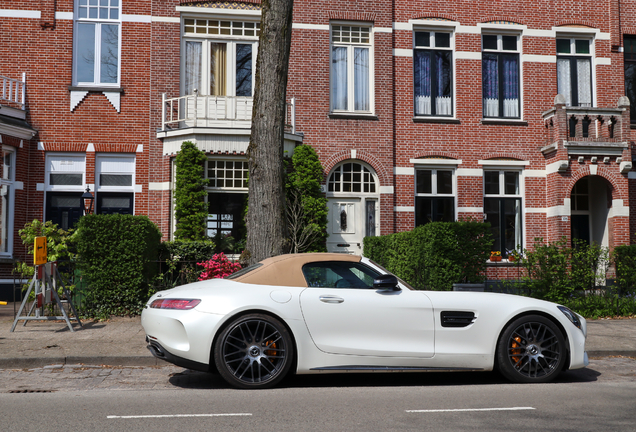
(215, 111)
(13, 90)
(587, 126)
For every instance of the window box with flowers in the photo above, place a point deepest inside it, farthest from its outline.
(495, 256)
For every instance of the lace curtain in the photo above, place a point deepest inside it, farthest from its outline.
(361, 79)
(339, 78)
(192, 67)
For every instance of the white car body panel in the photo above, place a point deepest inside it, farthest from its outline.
(369, 322)
(368, 328)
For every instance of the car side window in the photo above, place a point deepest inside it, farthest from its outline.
(338, 274)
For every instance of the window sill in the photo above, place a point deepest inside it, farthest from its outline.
(353, 116)
(441, 120)
(503, 122)
(503, 262)
(99, 89)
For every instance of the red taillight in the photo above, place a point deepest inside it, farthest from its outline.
(182, 304)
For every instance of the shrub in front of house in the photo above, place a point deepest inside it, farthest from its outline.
(118, 259)
(436, 255)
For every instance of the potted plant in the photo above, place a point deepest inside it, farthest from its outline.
(495, 256)
(514, 255)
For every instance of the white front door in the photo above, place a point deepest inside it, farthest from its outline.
(345, 225)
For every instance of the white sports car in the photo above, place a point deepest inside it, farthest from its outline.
(326, 313)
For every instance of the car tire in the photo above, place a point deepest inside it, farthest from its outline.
(254, 351)
(531, 349)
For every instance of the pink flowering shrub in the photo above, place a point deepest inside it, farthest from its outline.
(218, 267)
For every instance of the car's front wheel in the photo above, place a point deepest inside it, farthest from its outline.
(254, 351)
(531, 349)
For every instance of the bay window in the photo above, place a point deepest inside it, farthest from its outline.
(219, 57)
(500, 76)
(350, 68)
(432, 73)
(574, 71)
(502, 206)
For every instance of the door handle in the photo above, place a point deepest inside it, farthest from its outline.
(330, 299)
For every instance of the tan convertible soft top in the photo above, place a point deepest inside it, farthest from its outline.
(286, 270)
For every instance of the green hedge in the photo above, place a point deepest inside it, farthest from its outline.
(624, 258)
(117, 258)
(435, 255)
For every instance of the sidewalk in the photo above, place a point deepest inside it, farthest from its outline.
(121, 342)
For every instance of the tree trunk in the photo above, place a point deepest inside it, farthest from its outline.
(266, 226)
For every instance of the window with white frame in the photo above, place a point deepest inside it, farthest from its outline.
(500, 76)
(64, 185)
(7, 193)
(351, 60)
(65, 172)
(502, 206)
(574, 71)
(351, 177)
(114, 184)
(97, 36)
(227, 198)
(219, 57)
(434, 195)
(433, 73)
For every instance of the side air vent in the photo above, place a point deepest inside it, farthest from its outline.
(457, 319)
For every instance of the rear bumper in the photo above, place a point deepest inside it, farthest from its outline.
(161, 353)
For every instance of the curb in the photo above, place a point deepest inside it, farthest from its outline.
(610, 353)
(38, 362)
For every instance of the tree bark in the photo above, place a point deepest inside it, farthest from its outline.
(266, 226)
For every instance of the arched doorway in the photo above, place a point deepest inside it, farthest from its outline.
(590, 203)
(353, 195)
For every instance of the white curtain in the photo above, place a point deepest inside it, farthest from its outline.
(422, 105)
(492, 107)
(584, 78)
(361, 79)
(339, 78)
(443, 105)
(564, 80)
(511, 107)
(192, 67)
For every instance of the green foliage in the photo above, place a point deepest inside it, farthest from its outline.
(624, 258)
(435, 255)
(602, 302)
(58, 240)
(117, 257)
(555, 271)
(59, 245)
(547, 270)
(189, 197)
(306, 204)
(178, 262)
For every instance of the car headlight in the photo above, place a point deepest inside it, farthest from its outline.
(182, 304)
(572, 316)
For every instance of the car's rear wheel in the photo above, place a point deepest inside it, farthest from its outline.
(254, 351)
(531, 349)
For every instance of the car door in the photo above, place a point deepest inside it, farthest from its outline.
(345, 315)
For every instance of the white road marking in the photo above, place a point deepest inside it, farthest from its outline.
(178, 415)
(471, 410)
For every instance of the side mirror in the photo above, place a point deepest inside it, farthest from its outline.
(386, 282)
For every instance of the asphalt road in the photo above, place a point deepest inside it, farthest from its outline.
(599, 398)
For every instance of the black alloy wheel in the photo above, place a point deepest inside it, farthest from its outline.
(254, 351)
(532, 349)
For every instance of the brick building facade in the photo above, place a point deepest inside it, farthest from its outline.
(512, 112)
